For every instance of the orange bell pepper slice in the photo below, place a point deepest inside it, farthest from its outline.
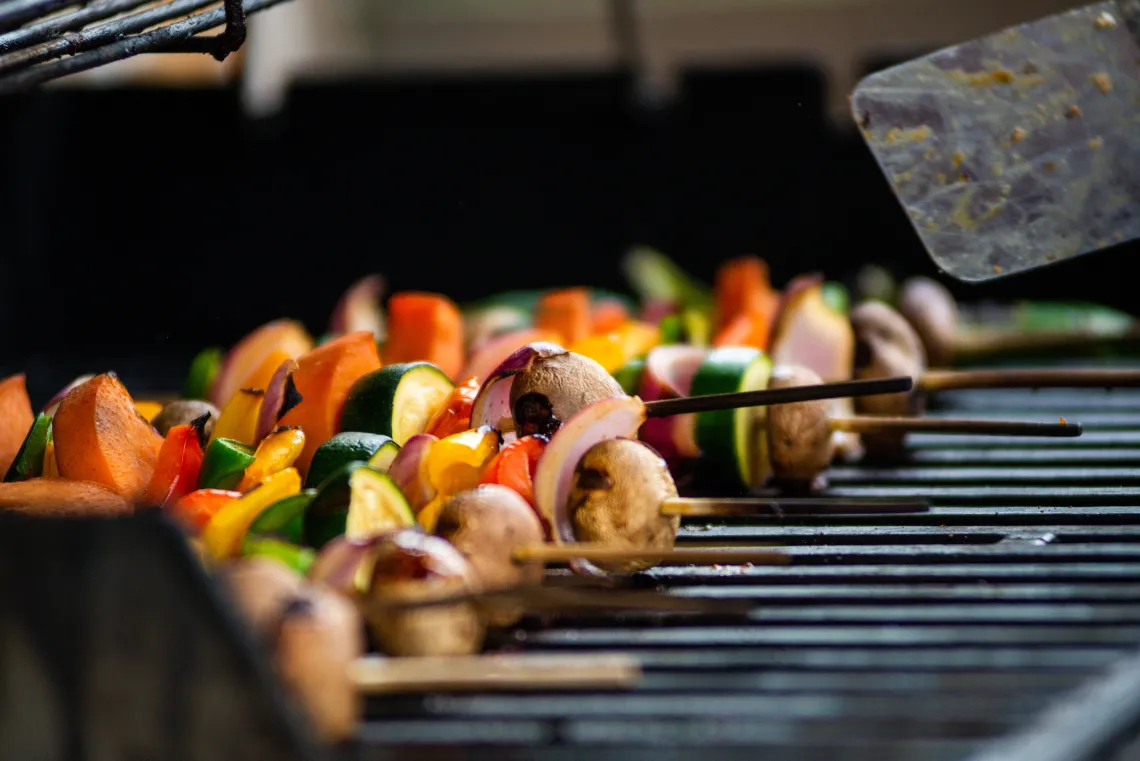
(514, 466)
(176, 469)
(194, 510)
(455, 414)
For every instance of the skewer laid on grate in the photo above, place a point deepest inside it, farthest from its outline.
(42, 40)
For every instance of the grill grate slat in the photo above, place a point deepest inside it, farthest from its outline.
(914, 636)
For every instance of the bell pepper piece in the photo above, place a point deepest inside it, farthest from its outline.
(260, 376)
(238, 420)
(428, 516)
(225, 532)
(194, 510)
(203, 370)
(743, 286)
(323, 378)
(638, 338)
(425, 327)
(456, 463)
(608, 350)
(177, 468)
(149, 410)
(300, 559)
(455, 414)
(566, 312)
(224, 464)
(277, 451)
(15, 418)
(514, 466)
(29, 462)
(608, 315)
(51, 468)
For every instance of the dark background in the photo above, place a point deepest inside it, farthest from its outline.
(140, 225)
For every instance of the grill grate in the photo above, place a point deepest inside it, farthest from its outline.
(924, 636)
(41, 40)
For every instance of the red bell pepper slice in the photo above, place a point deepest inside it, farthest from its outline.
(194, 510)
(515, 464)
(455, 415)
(176, 470)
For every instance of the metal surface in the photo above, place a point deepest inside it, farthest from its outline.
(1002, 624)
(1018, 150)
(981, 629)
(43, 41)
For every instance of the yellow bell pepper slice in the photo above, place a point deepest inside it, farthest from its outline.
(638, 338)
(238, 420)
(608, 350)
(456, 463)
(224, 533)
(149, 410)
(428, 517)
(277, 451)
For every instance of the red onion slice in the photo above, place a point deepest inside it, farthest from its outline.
(343, 563)
(275, 397)
(612, 418)
(493, 402)
(53, 404)
(289, 336)
(489, 354)
(669, 372)
(359, 308)
(408, 472)
(656, 310)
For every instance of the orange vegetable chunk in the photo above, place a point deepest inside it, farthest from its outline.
(62, 498)
(566, 312)
(425, 327)
(16, 418)
(323, 378)
(100, 436)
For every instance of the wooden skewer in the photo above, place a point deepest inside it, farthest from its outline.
(946, 380)
(873, 424)
(765, 397)
(686, 506)
(770, 396)
(377, 675)
(980, 342)
(549, 553)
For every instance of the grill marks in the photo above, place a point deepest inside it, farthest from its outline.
(890, 636)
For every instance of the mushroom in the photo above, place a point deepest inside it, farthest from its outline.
(261, 588)
(485, 524)
(320, 635)
(879, 321)
(412, 567)
(799, 434)
(931, 309)
(186, 411)
(616, 497)
(553, 388)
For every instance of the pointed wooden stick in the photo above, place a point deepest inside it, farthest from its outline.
(515, 672)
(980, 342)
(764, 397)
(688, 506)
(549, 553)
(946, 380)
(771, 396)
(873, 424)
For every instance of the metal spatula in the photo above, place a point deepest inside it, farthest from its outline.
(1017, 150)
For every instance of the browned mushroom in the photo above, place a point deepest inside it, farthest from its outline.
(553, 388)
(410, 567)
(931, 309)
(185, 411)
(261, 588)
(486, 524)
(616, 497)
(799, 434)
(320, 636)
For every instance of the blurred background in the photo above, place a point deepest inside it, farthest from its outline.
(465, 146)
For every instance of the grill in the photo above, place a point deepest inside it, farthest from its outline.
(1002, 624)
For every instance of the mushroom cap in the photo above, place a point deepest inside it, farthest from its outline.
(879, 321)
(931, 309)
(799, 434)
(185, 411)
(410, 567)
(485, 525)
(569, 382)
(619, 486)
(261, 588)
(320, 635)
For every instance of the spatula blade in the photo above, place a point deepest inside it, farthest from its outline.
(1018, 150)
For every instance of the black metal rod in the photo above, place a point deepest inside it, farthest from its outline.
(765, 397)
(16, 13)
(152, 41)
(96, 36)
(57, 25)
